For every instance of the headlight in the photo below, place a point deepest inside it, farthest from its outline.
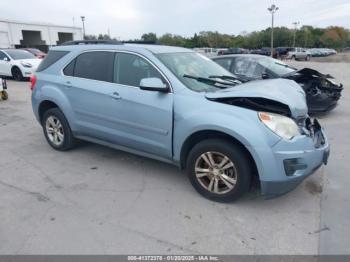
(26, 64)
(283, 126)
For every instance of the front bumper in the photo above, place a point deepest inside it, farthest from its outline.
(28, 71)
(295, 160)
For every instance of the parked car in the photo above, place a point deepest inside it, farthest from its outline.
(234, 51)
(178, 106)
(322, 93)
(266, 51)
(315, 52)
(282, 51)
(38, 53)
(298, 53)
(17, 63)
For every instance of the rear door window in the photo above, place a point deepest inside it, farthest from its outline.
(96, 65)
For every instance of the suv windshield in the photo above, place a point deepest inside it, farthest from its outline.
(19, 54)
(183, 65)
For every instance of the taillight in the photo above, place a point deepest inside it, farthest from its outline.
(32, 82)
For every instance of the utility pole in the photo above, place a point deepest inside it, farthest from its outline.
(272, 10)
(295, 31)
(83, 20)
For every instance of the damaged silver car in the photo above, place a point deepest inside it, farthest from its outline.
(322, 92)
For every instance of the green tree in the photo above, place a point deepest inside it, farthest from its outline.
(149, 37)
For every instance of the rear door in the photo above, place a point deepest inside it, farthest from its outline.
(89, 88)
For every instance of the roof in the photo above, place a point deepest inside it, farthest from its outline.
(155, 49)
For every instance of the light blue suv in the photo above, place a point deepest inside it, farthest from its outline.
(177, 106)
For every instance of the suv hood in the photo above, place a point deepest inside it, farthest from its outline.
(275, 95)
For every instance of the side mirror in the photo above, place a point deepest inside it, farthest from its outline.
(6, 59)
(153, 84)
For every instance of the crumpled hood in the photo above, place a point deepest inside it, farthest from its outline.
(284, 91)
(310, 72)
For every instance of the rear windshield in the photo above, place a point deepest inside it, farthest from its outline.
(34, 51)
(51, 58)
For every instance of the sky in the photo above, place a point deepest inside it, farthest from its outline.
(129, 19)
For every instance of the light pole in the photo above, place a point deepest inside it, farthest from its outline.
(272, 10)
(295, 31)
(83, 20)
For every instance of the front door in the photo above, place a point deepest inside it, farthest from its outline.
(145, 118)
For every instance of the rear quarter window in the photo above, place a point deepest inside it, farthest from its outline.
(51, 58)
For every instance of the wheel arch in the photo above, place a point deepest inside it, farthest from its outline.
(16, 66)
(201, 135)
(44, 106)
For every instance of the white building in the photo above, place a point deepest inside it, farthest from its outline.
(15, 34)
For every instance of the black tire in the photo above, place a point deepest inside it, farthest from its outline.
(294, 58)
(68, 141)
(307, 58)
(235, 154)
(4, 95)
(17, 74)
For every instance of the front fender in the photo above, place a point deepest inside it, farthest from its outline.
(239, 123)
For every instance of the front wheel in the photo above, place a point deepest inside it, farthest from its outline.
(307, 58)
(219, 170)
(17, 74)
(57, 131)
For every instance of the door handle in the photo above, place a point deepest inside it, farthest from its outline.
(116, 96)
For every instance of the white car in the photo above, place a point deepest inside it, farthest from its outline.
(17, 63)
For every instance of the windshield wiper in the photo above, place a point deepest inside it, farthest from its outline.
(211, 81)
(235, 79)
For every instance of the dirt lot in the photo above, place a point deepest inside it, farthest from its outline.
(95, 200)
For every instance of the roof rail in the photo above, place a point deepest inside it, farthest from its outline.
(140, 42)
(92, 42)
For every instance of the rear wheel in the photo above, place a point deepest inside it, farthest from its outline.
(57, 131)
(17, 74)
(219, 170)
(293, 57)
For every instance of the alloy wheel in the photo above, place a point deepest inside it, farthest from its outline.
(216, 172)
(54, 130)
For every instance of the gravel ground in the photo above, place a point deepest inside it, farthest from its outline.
(95, 200)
